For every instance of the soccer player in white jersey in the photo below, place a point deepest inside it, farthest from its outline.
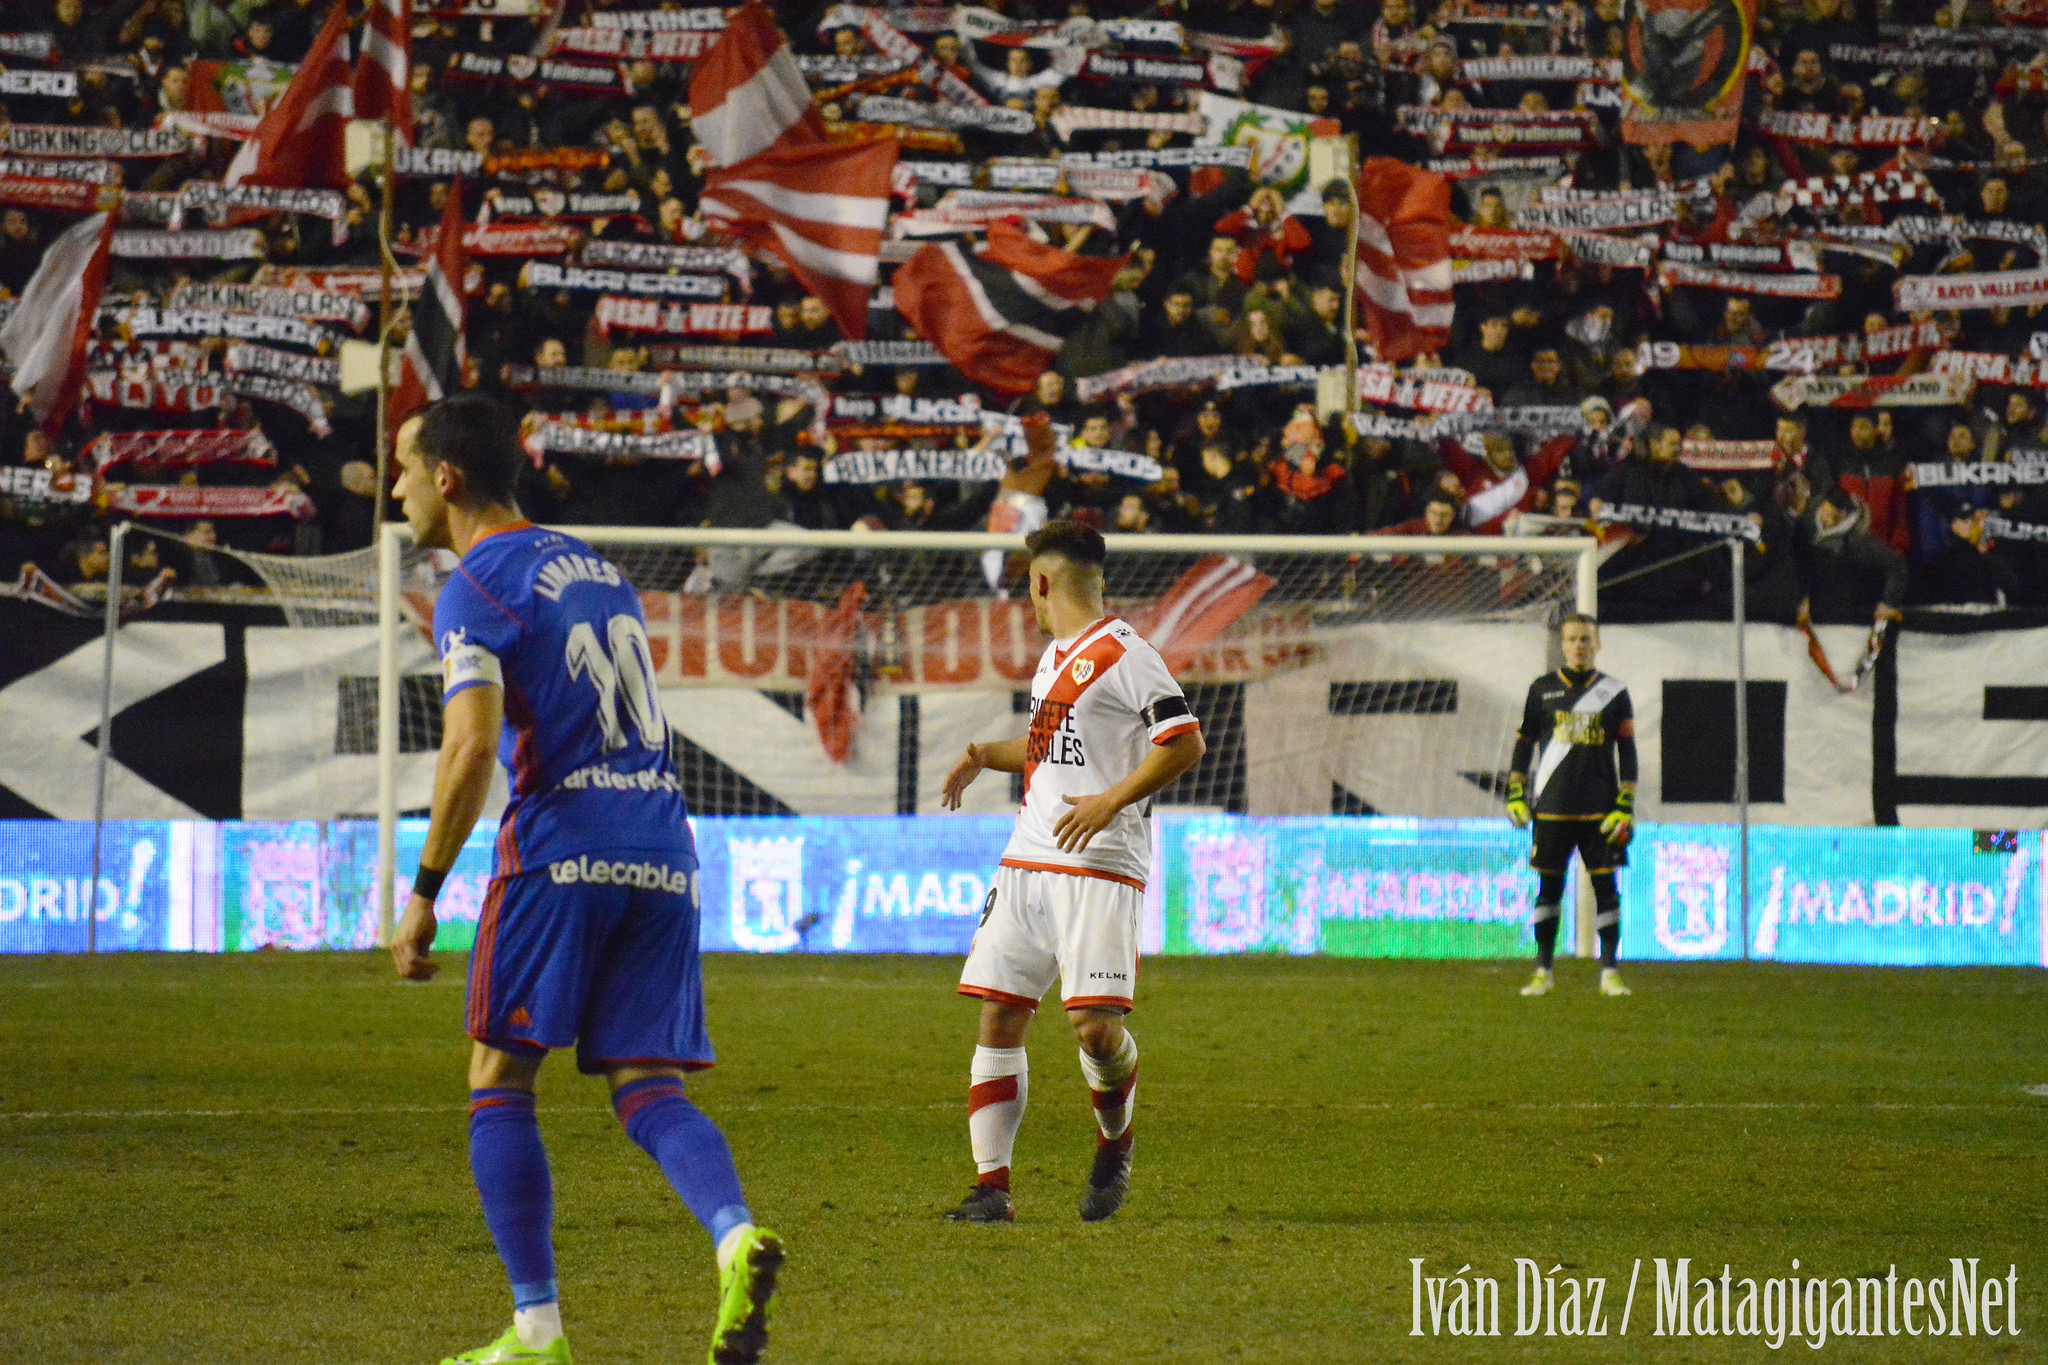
(1109, 727)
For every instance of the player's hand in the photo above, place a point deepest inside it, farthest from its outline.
(1518, 803)
(957, 781)
(1089, 817)
(412, 941)
(1618, 828)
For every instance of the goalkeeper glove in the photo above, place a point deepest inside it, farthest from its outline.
(1620, 825)
(1518, 804)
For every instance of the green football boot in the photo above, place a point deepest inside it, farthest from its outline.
(510, 1350)
(747, 1299)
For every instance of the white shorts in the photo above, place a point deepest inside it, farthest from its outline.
(1040, 925)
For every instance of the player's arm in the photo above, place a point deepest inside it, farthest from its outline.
(1003, 756)
(1088, 816)
(1620, 824)
(1518, 765)
(470, 723)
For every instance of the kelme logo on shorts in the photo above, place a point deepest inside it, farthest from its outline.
(1084, 669)
(649, 876)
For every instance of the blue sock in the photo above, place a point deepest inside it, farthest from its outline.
(688, 1147)
(511, 1169)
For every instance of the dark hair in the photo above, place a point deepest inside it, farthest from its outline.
(1070, 540)
(480, 438)
(1578, 618)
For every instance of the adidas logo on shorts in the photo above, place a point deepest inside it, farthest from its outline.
(648, 876)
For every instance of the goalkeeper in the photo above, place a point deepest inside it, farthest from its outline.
(1582, 796)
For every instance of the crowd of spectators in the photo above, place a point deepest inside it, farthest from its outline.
(1219, 264)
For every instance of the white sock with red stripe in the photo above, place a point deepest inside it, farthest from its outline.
(999, 1081)
(1115, 1086)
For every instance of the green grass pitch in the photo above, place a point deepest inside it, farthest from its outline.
(262, 1159)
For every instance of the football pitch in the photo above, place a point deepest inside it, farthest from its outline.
(262, 1159)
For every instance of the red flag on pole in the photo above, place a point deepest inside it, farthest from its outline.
(437, 348)
(1404, 258)
(383, 76)
(1200, 606)
(47, 336)
(300, 142)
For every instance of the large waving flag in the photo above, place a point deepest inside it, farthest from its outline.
(1001, 313)
(47, 337)
(1200, 606)
(436, 350)
(299, 143)
(1404, 258)
(781, 187)
(383, 76)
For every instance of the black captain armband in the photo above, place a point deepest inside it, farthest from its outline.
(1166, 708)
(426, 883)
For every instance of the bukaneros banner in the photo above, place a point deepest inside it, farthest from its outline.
(1875, 391)
(183, 502)
(93, 171)
(568, 438)
(589, 279)
(1679, 274)
(891, 466)
(148, 451)
(214, 322)
(702, 19)
(1541, 68)
(244, 358)
(64, 196)
(1726, 524)
(2022, 474)
(653, 316)
(660, 256)
(1684, 65)
(1870, 130)
(70, 140)
(1993, 289)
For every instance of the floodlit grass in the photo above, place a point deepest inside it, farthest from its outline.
(263, 1159)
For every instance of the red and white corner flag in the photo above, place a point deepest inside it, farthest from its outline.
(1404, 258)
(47, 337)
(299, 143)
(781, 188)
(383, 77)
(748, 94)
(1200, 606)
(436, 350)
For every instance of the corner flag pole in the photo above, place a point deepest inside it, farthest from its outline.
(117, 553)
(387, 179)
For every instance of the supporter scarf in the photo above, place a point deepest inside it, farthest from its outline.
(181, 502)
(1460, 134)
(285, 393)
(656, 256)
(682, 319)
(897, 407)
(1871, 130)
(1920, 228)
(888, 40)
(63, 196)
(1176, 157)
(233, 244)
(34, 47)
(1627, 253)
(24, 483)
(1222, 73)
(159, 391)
(543, 203)
(1856, 54)
(1986, 368)
(1486, 272)
(504, 239)
(215, 322)
(1115, 183)
(693, 385)
(1124, 464)
(1502, 244)
(1533, 421)
(534, 160)
(1728, 457)
(1677, 274)
(216, 201)
(1621, 210)
(1813, 353)
(1251, 375)
(708, 19)
(1883, 391)
(215, 123)
(316, 305)
(1490, 167)
(244, 358)
(1383, 385)
(844, 71)
(92, 172)
(1424, 118)
(1725, 253)
(368, 283)
(150, 451)
(949, 117)
(890, 466)
(36, 586)
(1848, 191)
(1069, 119)
(2023, 474)
(586, 279)
(1996, 289)
(436, 163)
(567, 439)
(1595, 70)
(964, 209)
(633, 45)
(957, 174)
(2000, 528)
(887, 353)
(1724, 524)
(478, 68)
(69, 140)
(1149, 375)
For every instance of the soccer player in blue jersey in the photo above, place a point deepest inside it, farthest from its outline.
(588, 934)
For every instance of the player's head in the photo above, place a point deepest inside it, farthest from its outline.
(461, 453)
(1578, 639)
(1066, 565)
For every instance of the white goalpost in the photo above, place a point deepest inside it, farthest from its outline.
(839, 672)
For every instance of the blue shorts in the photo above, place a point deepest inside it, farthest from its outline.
(601, 953)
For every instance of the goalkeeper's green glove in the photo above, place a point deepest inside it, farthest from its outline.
(1518, 804)
(1620, 825)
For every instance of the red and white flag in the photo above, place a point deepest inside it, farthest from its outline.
(48, 336)
(437, 349)
(748, 95)
(383, 79)
(821, 210)
(299, 143)
(1201, 605)
(1001, 313)
(1404, 258)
